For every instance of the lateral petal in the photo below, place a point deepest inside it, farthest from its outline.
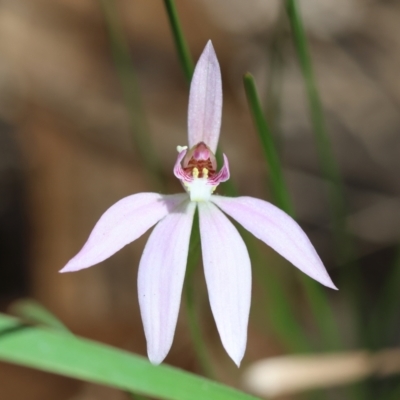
(205, 101)
(279, 231)
(160, 279)
(121, 224)
(228, 276)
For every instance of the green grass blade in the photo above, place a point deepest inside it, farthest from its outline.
(126, 75)
(31, 311)
(316, 297)
(53, 351)
(279, 190)
(181, 45)
(327, 161)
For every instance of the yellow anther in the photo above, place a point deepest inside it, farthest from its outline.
(205, 173)
(195, 172)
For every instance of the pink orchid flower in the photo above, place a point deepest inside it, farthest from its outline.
(226, 261)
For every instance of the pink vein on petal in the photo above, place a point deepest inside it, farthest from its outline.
(205, 101)
(228, 276)
(279, 231)
(160, 280)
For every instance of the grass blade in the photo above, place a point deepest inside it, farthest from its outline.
(181, 45)
(53, 351)
(316, 297)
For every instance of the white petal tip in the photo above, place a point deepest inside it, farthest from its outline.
(237, 363)
(237, 360)
(209, 45)
(209, 51)
(156, 359)
(328, 283)
(72, 267)
(332, 286)
(65, 269)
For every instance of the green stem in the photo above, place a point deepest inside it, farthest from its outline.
(328, 164)
(316, 297)
(187, 65)
(189, 291)
(126, 75)
(180, 41)
(279, 190)
(280, 312)
(351, 279)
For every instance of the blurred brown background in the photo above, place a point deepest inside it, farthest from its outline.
(66, 152)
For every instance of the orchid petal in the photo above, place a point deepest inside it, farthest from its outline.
(205, 101)
(228, 275)
(223, 175)
(179, 172)
(121, 224)
(160, 279)
(279, 231)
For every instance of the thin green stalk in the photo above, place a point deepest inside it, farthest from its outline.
(279, 190)
(126, 75)
(316, 297)
(330, 170)
(280, 312)
(187, 65)
(328, 164)
(189, 291)
(180, 43)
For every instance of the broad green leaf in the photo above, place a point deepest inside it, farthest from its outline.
(64, 354)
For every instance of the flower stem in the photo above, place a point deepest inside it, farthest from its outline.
(279, 310)
(189, 288)
(327, 160)
(126, 75)
(187, 65)
(181, 45)
(279, 190)
(316, 297)
(351, 278)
